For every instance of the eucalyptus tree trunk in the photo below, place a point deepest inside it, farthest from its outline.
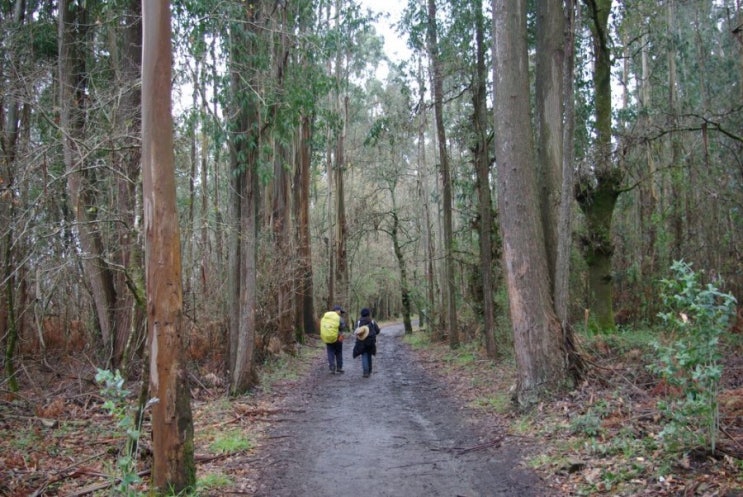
(173, 466)
(73, 79)
(402, 267)
(481, 154)
(539, 344)
(438, 105)
(425, 196)
(647, 191)
(305, 312)
(244, 49)
(676, 182)
(341, 256)
(597, 195)
(280, 208)
(129, 305)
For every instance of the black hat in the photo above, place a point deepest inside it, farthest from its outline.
(338, 308)
(365, 312)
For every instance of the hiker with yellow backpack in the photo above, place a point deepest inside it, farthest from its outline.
(332, 326)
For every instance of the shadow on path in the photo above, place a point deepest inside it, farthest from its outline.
(394, 434)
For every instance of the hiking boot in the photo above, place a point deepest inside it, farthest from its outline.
(339, 371)
(366, 375)
(332, 369)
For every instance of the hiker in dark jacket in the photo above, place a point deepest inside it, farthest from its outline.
(366, 340)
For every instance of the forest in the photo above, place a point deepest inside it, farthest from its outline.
(532, 181)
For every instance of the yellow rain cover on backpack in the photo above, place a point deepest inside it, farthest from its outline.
(329, 325)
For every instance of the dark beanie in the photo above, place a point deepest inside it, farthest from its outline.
(365, 312)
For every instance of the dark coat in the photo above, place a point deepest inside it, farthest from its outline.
(369, 344)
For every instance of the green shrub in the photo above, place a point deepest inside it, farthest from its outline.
(697, 316)
(115, 402)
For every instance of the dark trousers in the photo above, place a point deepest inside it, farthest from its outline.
(335, 355)
(366, 362)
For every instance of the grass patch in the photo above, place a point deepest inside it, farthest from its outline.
(213, 481)
(278, 369)
(500, 403)
(230, 442)
(417, 340)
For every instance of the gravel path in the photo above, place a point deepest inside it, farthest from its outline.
(394, 434)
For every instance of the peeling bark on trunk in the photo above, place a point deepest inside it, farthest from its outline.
(173, 468)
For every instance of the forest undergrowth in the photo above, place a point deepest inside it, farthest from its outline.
(604, 437)
(601, 438)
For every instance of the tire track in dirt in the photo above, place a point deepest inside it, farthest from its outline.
(394, 434)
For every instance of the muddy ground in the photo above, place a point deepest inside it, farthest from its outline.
(397, 433)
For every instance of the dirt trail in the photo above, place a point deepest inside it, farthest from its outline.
(394, 434)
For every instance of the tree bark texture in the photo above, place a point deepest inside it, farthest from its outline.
(9, 127)
(129, 307)
(561, 286)
(481, 154)
(246, 46)
(538, 339)
(173, 468)
(549, 119)
(305, 286)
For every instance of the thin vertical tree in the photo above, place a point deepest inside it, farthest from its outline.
(245, 46)
(445, 171)
(9, 137)
(482, 158)
(173, 468)
(128, 306)
(73, 25)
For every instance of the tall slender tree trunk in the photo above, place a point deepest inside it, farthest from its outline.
(341, 228)
(129, 307)
(9, 127)
(438, 105)
(402, 267)
(540, 349)
(73, 25)
(647, 191)
(677, 180)
(481, 153)
(425, 196)
(281, 211)
(173, 467)
(305, 286)
(244, 147)
(561, 286)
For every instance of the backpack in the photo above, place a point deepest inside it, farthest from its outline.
(329, 326)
